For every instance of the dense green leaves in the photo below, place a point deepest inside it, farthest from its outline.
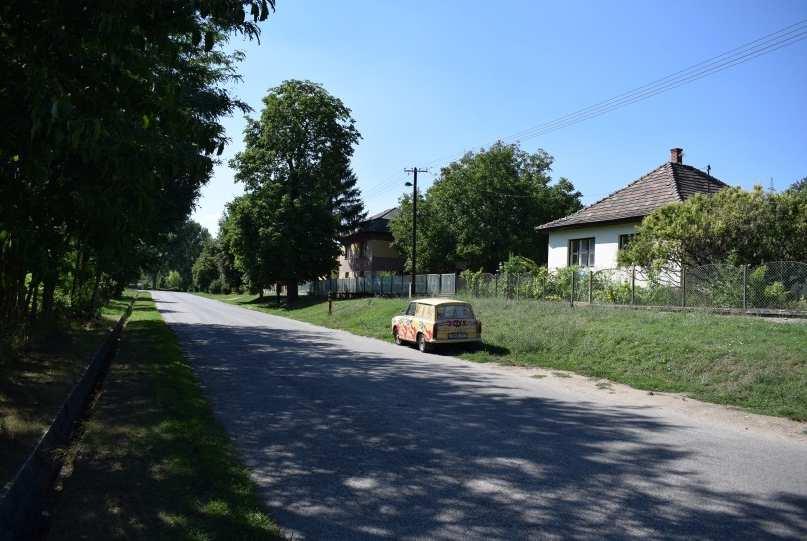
(485, 207)
(301, 193)
(734, 225)
(111, 121)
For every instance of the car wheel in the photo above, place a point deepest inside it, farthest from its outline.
(423, 345)
(397, 338)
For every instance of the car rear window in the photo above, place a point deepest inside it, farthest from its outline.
(454, 311)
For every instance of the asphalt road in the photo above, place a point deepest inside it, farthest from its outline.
(354, 438)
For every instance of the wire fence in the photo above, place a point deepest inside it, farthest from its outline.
(775, 286)
(779, 285)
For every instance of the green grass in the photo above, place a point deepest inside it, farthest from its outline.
(34, 383)
(749, 362)
(152, 462)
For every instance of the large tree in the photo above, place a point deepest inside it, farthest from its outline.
(733, 225)
(301, 192)
(485, 207)
(111, 126)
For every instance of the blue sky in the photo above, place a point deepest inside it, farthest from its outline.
(427, 81)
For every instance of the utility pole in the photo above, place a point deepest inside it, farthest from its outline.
(414, 185)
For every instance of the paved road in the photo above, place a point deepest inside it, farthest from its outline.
(353, 438)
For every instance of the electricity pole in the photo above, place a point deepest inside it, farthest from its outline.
(414, 185)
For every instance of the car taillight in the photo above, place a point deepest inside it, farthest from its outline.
(479, 327)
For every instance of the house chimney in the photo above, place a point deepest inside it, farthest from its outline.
(677, 155)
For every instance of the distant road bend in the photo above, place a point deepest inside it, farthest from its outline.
(354, 438)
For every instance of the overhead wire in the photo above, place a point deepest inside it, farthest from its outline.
(767, 44)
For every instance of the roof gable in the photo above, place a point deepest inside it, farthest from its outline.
(668, 183)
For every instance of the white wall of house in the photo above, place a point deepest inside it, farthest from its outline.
(606, 243)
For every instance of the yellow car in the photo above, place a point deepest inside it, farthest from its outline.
(428, 322)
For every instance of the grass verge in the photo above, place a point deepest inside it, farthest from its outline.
(34, 383)
(749, 362)
(152, 462)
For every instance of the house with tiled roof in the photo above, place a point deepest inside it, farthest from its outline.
(368, 250)
(592, 237)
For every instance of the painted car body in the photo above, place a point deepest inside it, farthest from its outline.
(439, 321)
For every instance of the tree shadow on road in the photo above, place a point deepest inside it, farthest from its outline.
(384, 445)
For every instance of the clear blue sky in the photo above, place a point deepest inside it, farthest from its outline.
(428, 80)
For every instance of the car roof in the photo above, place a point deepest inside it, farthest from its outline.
(437, 302)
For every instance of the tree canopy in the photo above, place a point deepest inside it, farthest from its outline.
(485, 207)
(733, 225)
(111, 126)
(301, 192)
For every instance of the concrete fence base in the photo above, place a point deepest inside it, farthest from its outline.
(23, 501)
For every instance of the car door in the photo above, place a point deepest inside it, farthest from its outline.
(409, 322)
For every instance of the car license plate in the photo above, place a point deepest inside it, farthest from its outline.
(457, 335)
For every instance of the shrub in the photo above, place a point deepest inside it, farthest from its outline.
(215, 286)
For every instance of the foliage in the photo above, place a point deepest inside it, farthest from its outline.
(485, 207)
(111, 126)
(215, 286)
(733, 225)
(301, 193)
(517, 264)
(173, 280)
(205, 268)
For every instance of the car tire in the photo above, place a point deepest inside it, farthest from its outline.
(396, 338)
(423, 345)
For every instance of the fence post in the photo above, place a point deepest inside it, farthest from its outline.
(571, 296)
(633, 285)
(745, 287)
(683, 286)
(590, 285)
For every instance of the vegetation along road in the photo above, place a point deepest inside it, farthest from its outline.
(351, 437)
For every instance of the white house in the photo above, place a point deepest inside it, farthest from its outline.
(593, 236)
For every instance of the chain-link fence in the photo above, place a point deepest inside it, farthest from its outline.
(392, 285)
(779, 285)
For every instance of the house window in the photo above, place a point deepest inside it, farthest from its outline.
(362, 249)
(625, 240)
(581, 252)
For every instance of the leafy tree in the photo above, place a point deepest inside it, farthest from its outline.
(205, 268)
(485, 207)
(436, 247)
(798, 186)
(183, 247)
(733, 225)
(111, 126)
(301, 193)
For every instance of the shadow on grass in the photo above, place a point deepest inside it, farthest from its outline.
(380, 444)
(153, 463)
(282, 303)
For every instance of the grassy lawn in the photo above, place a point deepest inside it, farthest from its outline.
(35, 383)
(749, 362)
(152, 462)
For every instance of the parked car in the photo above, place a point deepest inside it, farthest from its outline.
(428, 322)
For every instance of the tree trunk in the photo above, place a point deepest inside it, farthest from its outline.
(291, 291)
(48, 290)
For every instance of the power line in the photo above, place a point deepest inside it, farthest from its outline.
(767, 44)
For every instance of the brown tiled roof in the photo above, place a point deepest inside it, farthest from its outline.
(669, 183)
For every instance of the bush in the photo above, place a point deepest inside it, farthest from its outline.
(215, 286)
(173, 281)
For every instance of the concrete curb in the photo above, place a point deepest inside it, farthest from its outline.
(23, 501)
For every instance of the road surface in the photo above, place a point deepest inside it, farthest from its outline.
(354, 438)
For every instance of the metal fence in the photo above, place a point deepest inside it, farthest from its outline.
(778, 285)
(392, 285)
